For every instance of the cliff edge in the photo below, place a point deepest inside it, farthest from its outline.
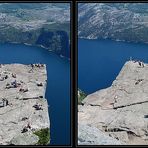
(120, 111)
(24, 118)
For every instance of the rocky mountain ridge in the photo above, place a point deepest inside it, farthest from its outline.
(116, 21)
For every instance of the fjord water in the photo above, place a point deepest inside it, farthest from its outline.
(100, 61)
(58, 85)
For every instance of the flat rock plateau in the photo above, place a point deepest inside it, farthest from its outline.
(23, 107)
(119, 111)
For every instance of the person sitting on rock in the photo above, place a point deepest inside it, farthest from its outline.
(2, 79)
(32, 66)
(24, 118)
(14, 84)
(13, 75)
(8, 86)
(141, 63)
(39, 84)
(37, 107)
(5, 102)
(23, 90)
(42, 65)
(6, 77)
(25, 129)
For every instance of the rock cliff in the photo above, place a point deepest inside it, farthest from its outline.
(120, 111)
(23, 107)
(25, 24)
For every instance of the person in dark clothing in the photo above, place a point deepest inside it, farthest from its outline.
(24, 129)
(6, 77)
(7, 102)
(37, 107)
(139, 63)
(29, 126)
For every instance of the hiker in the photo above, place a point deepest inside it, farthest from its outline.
(13, 75)
(23, 90)
(135, 61)
(1, 103)
(24, 129)
(37, 107)
(28, 125)
(139, 63)
(32, 66)
(2, 79)
(6, 77)
(14, 83)
(42, 65)
(139, 80)
(115, 98)
(24, 118)
(7, 102)
(39, 84)
(8, 86)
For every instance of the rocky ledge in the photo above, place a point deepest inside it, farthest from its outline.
(120, 111)
(24, 118)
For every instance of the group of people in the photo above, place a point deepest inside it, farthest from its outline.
(138, 81)
(2, 78)
(13, 84)
(37, 65)
(141, 64)
(16, 84)
(5, 76)
(38, 107)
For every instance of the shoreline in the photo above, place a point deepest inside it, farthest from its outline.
(117, 40)
(41, 46)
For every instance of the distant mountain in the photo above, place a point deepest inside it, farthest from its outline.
(43, 24)
(117, 21)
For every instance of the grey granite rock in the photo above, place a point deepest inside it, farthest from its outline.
(121, 110)
(25, 139)
(19, 112)
(88, 135)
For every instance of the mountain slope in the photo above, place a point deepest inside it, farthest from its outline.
(27, 23)
(117, 21)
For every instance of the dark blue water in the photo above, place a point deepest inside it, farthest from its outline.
(100, 61)
(58, 85)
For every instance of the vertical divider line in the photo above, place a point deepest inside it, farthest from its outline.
(74, 72)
